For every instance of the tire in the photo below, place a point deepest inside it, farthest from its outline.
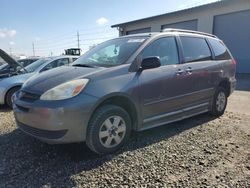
(108, 129)
(219, 102)
(9, 95)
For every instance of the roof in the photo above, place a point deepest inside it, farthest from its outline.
(221, 2)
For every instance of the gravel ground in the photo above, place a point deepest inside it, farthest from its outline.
(197, 152)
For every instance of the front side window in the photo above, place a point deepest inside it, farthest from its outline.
(111, 53)
(165, 49)
(56, 63)
(195, 49)
(220, 51)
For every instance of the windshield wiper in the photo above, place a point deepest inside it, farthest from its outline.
(84, 65)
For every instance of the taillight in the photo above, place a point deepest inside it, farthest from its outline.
(234, 62)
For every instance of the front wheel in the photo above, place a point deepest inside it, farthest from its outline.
(108, 129)
(219, 102)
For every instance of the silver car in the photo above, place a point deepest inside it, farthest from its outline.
(10, 85)
(131, 83)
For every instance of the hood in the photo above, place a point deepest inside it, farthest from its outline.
(42, 82)
(15, 80)
(13, 63)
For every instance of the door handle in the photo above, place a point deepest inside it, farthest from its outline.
(189, 70)
(179, 71)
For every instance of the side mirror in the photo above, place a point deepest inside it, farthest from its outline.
(150, 63)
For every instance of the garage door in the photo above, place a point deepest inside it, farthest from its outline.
(191, 25)
(234, 30)
(136, 31)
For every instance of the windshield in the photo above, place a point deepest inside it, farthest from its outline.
(111, 53)
(32, 67)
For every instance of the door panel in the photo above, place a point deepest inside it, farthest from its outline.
(198, 69)
(161, 84)
(176, 87)
(150, 82)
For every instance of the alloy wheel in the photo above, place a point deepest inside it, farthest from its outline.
(221, 101)
(112, 131)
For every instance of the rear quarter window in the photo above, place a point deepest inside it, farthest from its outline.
(219, 49)
(195, 49)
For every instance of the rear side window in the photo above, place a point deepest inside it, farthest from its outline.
(219, 49)
(195, 49)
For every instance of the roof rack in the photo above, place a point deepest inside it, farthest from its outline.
(187, 31)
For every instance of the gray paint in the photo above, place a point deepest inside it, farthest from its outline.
(160, 95)
(234, 30)
(190, 25)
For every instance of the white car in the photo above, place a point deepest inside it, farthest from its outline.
(8, 86)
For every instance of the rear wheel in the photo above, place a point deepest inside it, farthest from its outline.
(219, 102)
(9, 95)
(108, 129)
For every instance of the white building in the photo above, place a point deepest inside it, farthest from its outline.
(228, 19)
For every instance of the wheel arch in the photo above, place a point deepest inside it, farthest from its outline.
(10, 88)
(226, 85)
(123, 101)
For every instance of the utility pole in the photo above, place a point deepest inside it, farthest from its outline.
(33, 46)
(78, 39)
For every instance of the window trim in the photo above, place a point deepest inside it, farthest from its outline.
(199, 37)
(211, 48)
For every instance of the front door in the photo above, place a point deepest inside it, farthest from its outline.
(162, 87)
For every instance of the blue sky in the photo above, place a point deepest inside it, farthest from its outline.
(52, 24)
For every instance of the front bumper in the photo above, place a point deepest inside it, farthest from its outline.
(55, 122)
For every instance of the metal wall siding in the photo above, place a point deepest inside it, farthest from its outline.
(190, 25)
(143, 30)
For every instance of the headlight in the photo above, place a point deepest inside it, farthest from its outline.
(65, 90)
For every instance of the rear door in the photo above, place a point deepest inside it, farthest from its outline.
(199, 68)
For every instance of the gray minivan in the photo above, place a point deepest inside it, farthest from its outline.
(130, 83)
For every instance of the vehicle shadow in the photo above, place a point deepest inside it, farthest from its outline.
(4, 108)
(28, 162)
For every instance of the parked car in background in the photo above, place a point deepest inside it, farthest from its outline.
(9, 86)
(135, 82)
(10, 66)
(27, 61)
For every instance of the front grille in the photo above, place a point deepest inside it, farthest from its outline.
(29, 97)
(42, 133)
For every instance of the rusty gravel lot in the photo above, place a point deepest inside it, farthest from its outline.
(197, 152)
